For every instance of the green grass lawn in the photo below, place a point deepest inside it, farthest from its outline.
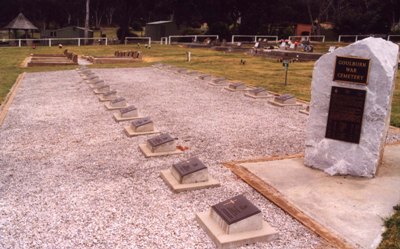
(391, 238)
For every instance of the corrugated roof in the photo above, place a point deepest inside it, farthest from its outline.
(159, 22)
(20, 22)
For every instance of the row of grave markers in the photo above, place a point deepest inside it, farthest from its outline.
(231, 223)
(252, 92)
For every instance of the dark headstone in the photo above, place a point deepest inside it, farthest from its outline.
(284, 97)
(189, 166)
(257, 90)
(346, 109)
(235, 85)
(128, 109)
(160, 140)
(102, 87)
(109, 93)
(235, 209)
(117, 100)
(141, 121)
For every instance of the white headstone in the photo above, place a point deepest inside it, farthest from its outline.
(346, 134)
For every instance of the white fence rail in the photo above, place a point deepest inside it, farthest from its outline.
(194, 37)
(52, 41)
(389, 38)
(148, 39)
(254, 37)
(354, 38)
(164, 40)
(320, 38)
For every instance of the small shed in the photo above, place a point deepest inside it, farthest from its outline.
(20, 23)
(303, 29)
(159, 29)
(66, 32)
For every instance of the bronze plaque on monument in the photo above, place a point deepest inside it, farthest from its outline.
(351, 70)
(346, 109)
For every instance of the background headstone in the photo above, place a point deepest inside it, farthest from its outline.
(346, 134)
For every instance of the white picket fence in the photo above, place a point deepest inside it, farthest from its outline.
(354, 38)
(148, 39)
(51, 41)
(254, 37)
(318, 38)
(194, 37)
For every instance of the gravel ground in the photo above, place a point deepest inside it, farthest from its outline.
(70, 178)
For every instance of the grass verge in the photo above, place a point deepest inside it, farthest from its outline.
(391, 237)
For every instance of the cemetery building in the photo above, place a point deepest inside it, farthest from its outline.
(159, 29)
(66, 32)
(303, 29)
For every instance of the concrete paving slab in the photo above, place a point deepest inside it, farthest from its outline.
(353, 208)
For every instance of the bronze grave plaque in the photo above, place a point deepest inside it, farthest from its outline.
(235, 209)
(160, 140)
(141, 121)
(346, 109)
(189, 166)
(351, 70)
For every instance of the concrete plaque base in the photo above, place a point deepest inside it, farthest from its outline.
(110, 107)
(118, 118)
(272, 102)
(228, 241)
(147, 152)
(105, 99)
(178, 187)
(131, 133)
(97, 91)
(219, 83)
(259, 97)
(238, 90)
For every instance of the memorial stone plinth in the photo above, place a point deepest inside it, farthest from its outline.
(351, 97)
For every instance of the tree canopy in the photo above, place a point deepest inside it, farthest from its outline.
(236, 16)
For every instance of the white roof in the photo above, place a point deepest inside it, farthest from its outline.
(159, 22)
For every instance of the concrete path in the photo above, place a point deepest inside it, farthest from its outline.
(353, 208)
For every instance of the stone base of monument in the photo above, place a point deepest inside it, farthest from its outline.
(173, 183)
(160, 145)
(102, 90)
(118, 117)
(90, 77)
(92, 80)
(259, 93)
(235, 222)
(218, 82)
(97, 85)
(193, 73)
(131, 132)
(110, 106)
(237, 87)
(205, 77)
(225, 240)
(188, 175)
(149, 153)
(103, 98)
(285, 100)
(305, 111)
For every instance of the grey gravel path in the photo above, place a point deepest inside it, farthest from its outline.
(70, 178)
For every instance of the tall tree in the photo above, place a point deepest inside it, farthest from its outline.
(87, 16)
